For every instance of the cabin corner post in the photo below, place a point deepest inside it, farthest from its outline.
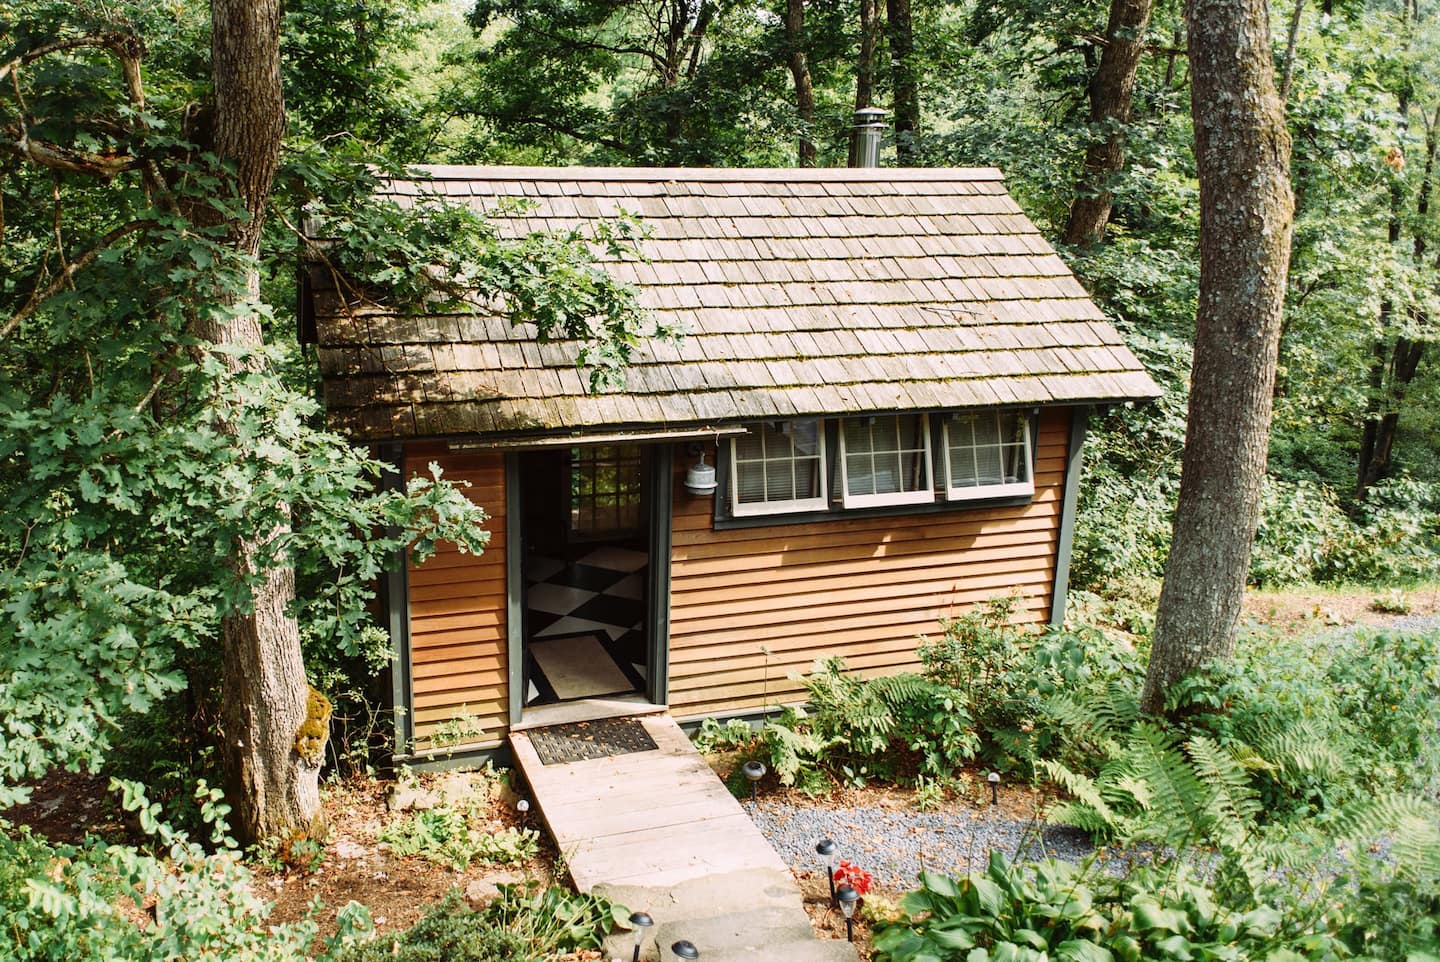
(662, 499)
(514, 589)
(397, 616)
(1074, 456)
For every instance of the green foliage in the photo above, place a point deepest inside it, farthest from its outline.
(524, 924)
(715, 736)
(856, 730)
(448, 932)
(80, 903)
(1054, 910)
(447, 836)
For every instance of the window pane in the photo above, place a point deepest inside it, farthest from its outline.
(859, 477)
(778, 463)
(988, 449)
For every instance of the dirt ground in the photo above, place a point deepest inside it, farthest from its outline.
(1298, 610)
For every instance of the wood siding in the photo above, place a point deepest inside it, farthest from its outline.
(458, 635)
(750, 606)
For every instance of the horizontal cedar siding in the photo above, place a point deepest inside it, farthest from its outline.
(458, 635)
(749, 606)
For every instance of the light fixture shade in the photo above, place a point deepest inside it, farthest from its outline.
(826, 848)
(848, 897)
(685, 951)
(700, 479)
(754, 770)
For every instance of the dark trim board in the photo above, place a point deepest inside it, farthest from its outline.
(657, 615)
(514, 588)
(397, 616)
(1079, 426)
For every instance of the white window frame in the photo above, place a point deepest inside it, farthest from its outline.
(819, 503)
(1002, 490)
(924, 495)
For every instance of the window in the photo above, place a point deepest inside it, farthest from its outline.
(778, 468)
(987, 454)
(885, 460)
(604, 490)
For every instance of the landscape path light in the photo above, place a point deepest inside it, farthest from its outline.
(685, 951)
(754, 770)
(848, 898)
(523, 807)
(641, 923)
(826, 849)
(994, 779)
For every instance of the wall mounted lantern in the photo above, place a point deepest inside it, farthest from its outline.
(700, 479)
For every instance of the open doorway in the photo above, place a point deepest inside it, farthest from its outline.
(585, 568)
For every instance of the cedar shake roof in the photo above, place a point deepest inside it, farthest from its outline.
(805, 292)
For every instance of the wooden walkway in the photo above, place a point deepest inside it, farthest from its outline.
(656, 818)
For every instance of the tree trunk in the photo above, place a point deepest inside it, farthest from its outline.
(903, 81)
(1292, 41)
(864, 66)
(800, 72)
(273, 789)
(1242, 152)
(1112, 90)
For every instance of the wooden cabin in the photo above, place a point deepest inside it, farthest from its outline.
(889, 371)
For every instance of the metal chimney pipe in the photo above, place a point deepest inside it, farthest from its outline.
(865, 143)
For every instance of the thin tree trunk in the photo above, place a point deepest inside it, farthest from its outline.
(1291, 42)
(1112, 91)
(903, 80)
(800, 72)
(864, 66)
(273, 789)
(1242, 152)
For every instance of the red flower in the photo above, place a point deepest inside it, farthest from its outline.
(854, 876)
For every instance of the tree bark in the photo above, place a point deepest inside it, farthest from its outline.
(1242, 152)
(1112, 91)
(903, 80)
(273, 789)
(800, 73)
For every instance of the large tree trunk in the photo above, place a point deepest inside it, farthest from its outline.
(903, 80)
(273, 789)
(800, 72)
(1112, 90)
(1242, 153)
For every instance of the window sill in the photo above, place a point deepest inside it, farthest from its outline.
(724, 522)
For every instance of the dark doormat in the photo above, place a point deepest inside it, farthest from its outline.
(579, 741)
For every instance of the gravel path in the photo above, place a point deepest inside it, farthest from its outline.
(895, 843)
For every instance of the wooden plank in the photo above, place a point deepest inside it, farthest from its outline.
(643, 815)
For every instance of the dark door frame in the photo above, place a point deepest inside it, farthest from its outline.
(660, 485)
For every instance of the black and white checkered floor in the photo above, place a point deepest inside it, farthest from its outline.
(600, 595)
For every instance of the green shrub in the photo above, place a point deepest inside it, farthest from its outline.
(81, 904)
(1386, 691)
(1301, 525)
(449, 932)
(1053, 910)
(444, 834)
(890, 728)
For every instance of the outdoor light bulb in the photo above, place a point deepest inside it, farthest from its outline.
(685, 951)
(522, 806)
(848, 897)
(640, 921)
